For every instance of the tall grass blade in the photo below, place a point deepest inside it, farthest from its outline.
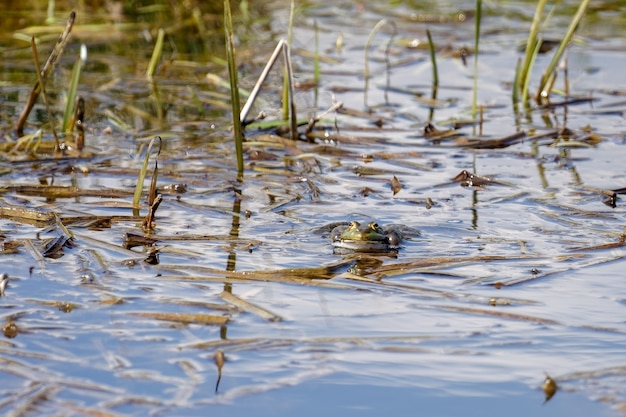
(433, 59)
(292, 102)
(142, 176)
(531, 43)
(543, 92)
(71, 94)
(50, 13)
(515, 92)
(479, 4)
(156, 55)
(154, 198)
(234, 88)
(525, 87)
(317, 73)
(52, 59)
(286, 78)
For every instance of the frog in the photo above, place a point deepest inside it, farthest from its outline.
(369, 237)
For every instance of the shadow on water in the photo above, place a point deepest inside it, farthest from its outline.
(233, 300)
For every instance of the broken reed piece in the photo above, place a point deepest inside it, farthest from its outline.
(47, 68)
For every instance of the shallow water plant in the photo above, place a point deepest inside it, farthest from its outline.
(549, 75)
(433, 60)
(41, 81)
(281, 48)
(43, 74)
(234, 88)
(377, 28)
(73, 88)
(142, 175)
(533, 46)
(476, 44)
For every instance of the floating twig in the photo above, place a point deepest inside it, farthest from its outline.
(249, 307)
(206, 319)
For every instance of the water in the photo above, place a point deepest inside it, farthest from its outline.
(425, 330)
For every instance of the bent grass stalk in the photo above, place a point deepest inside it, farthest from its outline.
(43, 74)
(42, 83)
(281, 47)
(234, 88)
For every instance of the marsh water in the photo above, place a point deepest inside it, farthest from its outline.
(236, 302)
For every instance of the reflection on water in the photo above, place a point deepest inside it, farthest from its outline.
(515, 272)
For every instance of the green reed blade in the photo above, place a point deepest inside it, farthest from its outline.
(433, 59)
(516, 90)
(71, 94)
(234, 87)
(542, 92)
(531, 43)
(317, 74)
(142, 176)
(479, 4)
(534, 52)
(431, 48)
(156, 54)
(42, 83)
(43, 74)
(286, 79)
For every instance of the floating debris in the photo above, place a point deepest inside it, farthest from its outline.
(4, 281)
(549, 388)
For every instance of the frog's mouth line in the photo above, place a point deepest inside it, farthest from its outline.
(365, 246)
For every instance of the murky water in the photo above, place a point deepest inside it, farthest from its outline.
(504, 283)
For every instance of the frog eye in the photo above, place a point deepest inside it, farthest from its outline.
(375, 227)
(354, 225)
